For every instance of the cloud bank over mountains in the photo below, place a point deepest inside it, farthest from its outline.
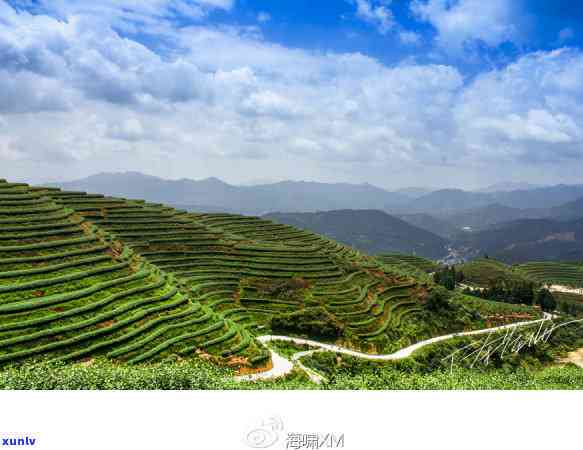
(152, 86)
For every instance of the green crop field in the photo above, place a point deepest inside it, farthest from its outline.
(248, 270)
(553, 273)
(485, 272)
(418, 262)
(70, 289)
(87, 277)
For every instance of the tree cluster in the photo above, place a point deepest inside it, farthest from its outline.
(448, 277)
(524, 293)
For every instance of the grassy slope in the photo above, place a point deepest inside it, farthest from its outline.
(84, 275)
(423, 264)
(69, 291)
(250, 269)
(484, 272)
(568, 274)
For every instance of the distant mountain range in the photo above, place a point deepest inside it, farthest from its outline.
(371, 231)
(212, 194)
(297, 196)
(510, 186)
(446, 200)
(486, 216)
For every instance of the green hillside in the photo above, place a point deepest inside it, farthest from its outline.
(251, 270)
(483, 272)
(486, 271)
(424, 264)
(568, 274)
(85, 276)
(68, 290)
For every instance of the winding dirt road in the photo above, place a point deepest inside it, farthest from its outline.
(283, 366)
(566, 289)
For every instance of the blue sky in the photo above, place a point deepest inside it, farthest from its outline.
(456, 93)
(337, 26)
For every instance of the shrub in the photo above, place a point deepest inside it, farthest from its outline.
(312, 321)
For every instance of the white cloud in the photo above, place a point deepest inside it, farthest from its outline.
(531, 109)
(83, 55)
(462, 22)
(131, 16)
(132, 9)
(24, 92)
(76, 97)
(263, 17)
(378, 15)
(536, 125)
(130, 129)
(270, 103)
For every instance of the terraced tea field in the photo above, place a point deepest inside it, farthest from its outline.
(249, 269)
(553, 273)
(69, 291)
(484, 272)
(424, 264)
(85, 275)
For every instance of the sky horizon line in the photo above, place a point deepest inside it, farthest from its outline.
(260, 182)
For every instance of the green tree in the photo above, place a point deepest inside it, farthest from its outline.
(449, 283)
(437, 300)
(546, 300)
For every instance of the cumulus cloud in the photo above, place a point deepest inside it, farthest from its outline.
(377, 14)
(95, 60)
(77, 94)
(24, 92)
(529, 110)
(463, 22)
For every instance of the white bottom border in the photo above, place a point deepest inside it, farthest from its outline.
(211, 420)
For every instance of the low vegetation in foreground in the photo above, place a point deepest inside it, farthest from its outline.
(430, 368)
(194, 376)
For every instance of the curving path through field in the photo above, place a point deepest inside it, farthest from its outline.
(283, 366)
(566, 289)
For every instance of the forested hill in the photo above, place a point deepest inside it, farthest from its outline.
(371, 231)
(527, 240)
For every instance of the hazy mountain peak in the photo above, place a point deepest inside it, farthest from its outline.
(510, 186)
